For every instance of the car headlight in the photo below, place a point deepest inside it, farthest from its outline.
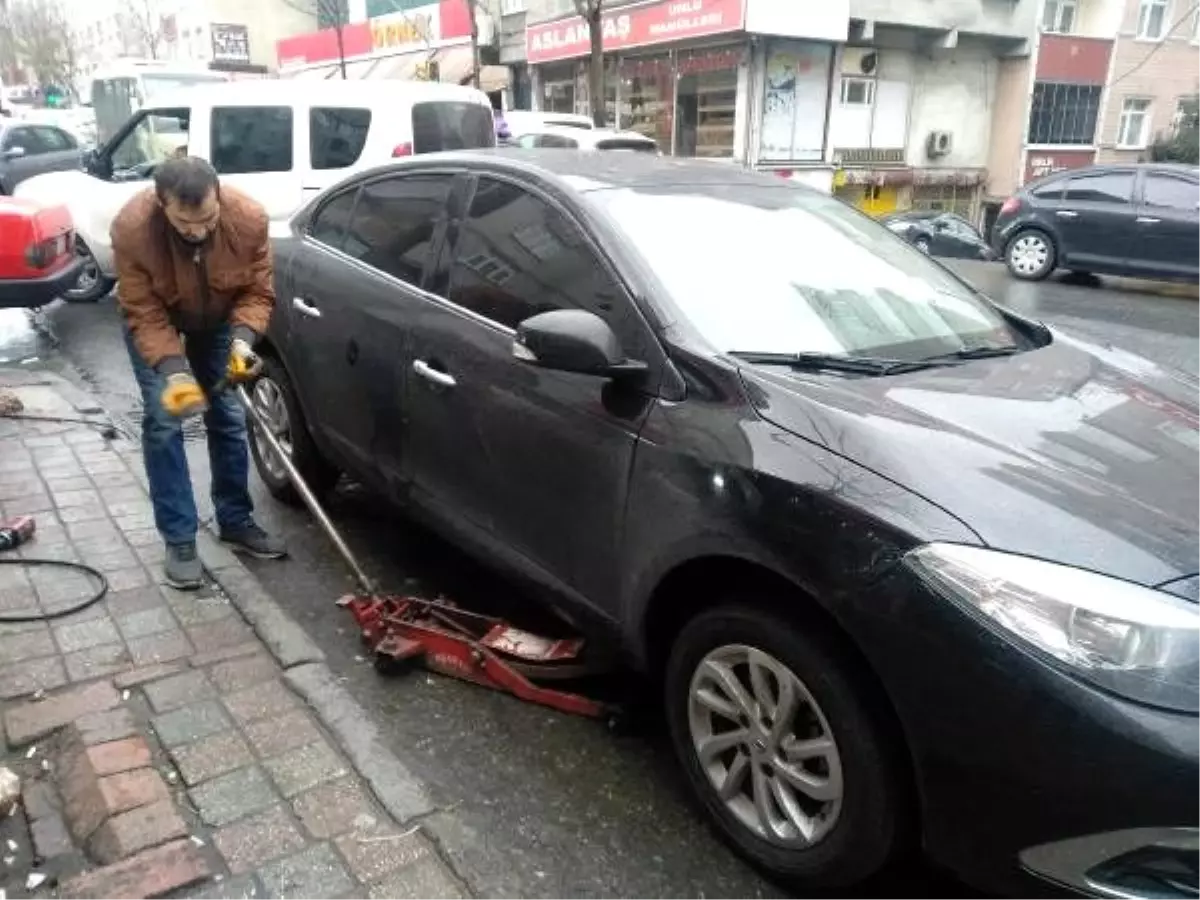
(1134, 641)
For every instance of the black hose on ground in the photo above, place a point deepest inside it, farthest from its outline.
(102, 590)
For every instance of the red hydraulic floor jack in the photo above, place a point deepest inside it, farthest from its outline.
(441, 636)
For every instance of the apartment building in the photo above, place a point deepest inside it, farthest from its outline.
(1155, 77)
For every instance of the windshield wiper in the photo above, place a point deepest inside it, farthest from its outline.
(829, 362)
(979, 351)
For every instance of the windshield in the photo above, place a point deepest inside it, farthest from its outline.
(778, 270)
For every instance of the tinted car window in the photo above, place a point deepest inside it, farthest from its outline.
(556, 141)
(451, 125)
(54, 138)
(627, 144)
(518, 256)
(25, 138)
(1171, 192)
(337, 136)
(1050, 191)
(251, 139)
(395, 221)
(1100, 187)
(329, 224)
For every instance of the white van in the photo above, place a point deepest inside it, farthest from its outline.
(280, 141)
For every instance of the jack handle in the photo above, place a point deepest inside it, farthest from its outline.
(306, 494)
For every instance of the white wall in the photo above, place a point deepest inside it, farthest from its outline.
(1100, 18)
(1001, 17)
(883, 124)
(955, 91)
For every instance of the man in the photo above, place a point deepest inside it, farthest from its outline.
(195, 288)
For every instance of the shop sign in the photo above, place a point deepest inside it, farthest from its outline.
(641, 25)
(230, 43)
(1039, 163)
(405, 30)
(869, 156)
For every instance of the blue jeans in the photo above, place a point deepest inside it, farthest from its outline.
(162, 443)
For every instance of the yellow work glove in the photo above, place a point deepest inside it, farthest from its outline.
(182, 396)
(244, 364)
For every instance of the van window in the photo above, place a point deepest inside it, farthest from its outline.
(251, 139)
(337, 136)
(451, 125)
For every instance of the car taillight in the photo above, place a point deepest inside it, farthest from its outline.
(402, 150)
(41, 254)
(1010, 206)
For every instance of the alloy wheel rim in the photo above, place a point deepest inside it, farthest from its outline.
(269, 404)
(1029, 254)
(765, 746)
(89, 275)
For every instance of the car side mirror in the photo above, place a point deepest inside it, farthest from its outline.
(572, 340)
(13, 153)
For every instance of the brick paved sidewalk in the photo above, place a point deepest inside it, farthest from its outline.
(160, 746)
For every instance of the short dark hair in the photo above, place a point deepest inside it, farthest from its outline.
(187, 179)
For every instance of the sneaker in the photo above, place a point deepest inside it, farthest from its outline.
(182, 567)
(254, 541)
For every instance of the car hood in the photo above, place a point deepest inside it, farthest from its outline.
(1073, 452)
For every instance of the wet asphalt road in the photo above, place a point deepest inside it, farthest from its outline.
(545, 804)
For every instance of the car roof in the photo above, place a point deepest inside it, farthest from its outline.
(1100, 168)
(256, 92)
(582, 172)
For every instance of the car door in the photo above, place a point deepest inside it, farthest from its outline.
(1095, 220)
(257, 149)
(535, 459)
(1168, 223)
(61, 149)
(356, 282)
(21, 156)
(958, 238)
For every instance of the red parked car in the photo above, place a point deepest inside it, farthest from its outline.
(37, 253)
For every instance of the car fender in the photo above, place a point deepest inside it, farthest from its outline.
(90, 203)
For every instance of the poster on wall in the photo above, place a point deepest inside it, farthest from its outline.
(230, 43)
(794, 102)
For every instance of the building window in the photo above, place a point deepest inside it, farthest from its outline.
(858, 91)
(705, 103)
(558, 88)
(1058, 16)
(1064, 113)
(1187, 114)
(1134, 130)
(511, 7)
(795, 101)
(1152, 20)
(647, 95)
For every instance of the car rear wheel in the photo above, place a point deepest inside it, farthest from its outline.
(274, 399)
(1030, 255)
(92, 284)
(774, 728)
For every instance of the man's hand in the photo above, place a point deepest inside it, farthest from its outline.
(182, 396)
(244, 364)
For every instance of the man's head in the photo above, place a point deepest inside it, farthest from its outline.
(188, 191)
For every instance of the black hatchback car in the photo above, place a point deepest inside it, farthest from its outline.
(939, 233)
(911, 570)
(1139, 221)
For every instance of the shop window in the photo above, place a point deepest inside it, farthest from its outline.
(949, 198)
(706, 103)
(1064, 113)
(558, 88)
(647, 91)
(795, 102)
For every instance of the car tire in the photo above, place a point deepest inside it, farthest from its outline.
(922, 244)
(92, 284)
(275, 399)
(857, 833)
(1030, 255)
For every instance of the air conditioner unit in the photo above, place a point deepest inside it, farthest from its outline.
(859, 61)
(939, 143)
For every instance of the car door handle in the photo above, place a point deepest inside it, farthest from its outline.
(302, 306)
(1147, 220)
(1067, 214)
(429, 373)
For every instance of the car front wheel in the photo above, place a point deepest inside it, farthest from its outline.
(274, 399)
(92, 284)
(775, 731)
(1030, 255)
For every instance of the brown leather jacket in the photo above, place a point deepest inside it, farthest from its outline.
(158, 288)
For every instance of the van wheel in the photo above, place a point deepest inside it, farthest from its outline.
(274, 400)
(92, 284)
(1030, 255)
(778, 741)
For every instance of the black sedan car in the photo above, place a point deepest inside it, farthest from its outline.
(939, 233)
(1138, 221)
(32, 148)
(909, 569)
